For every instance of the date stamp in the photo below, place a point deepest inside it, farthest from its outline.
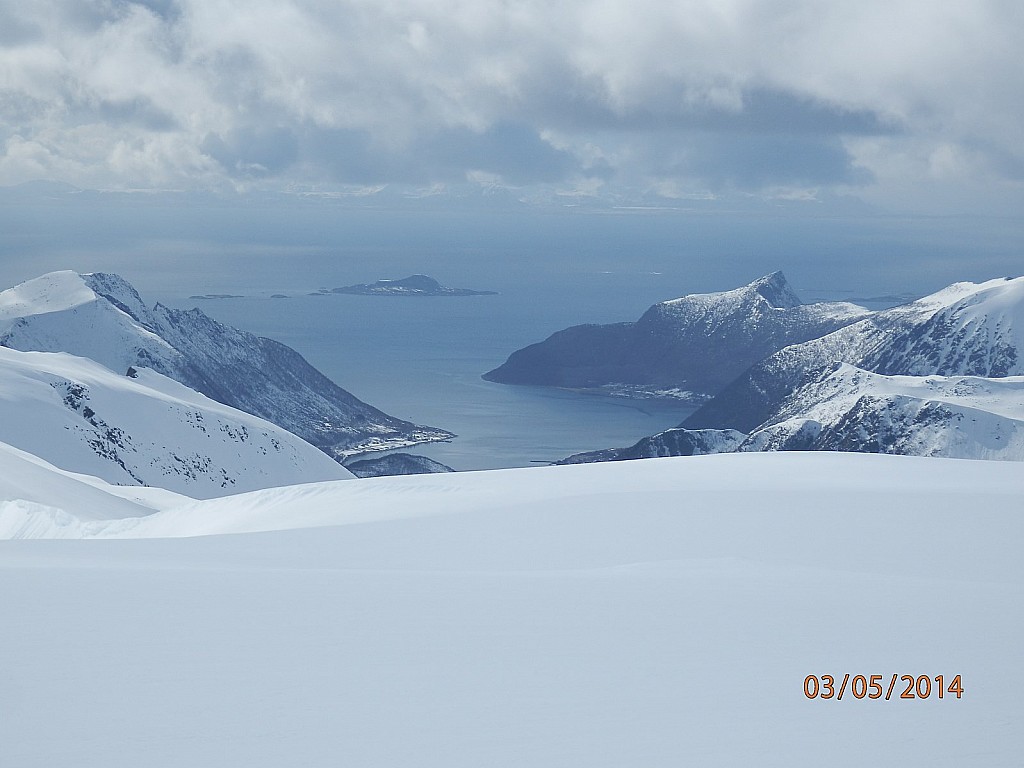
(872, 687)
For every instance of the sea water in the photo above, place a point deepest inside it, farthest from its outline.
(421, 359)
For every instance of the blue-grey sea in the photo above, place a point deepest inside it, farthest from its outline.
(420, 358)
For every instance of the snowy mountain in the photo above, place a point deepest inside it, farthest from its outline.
(850, 409)
(966, 329)
(657, 613)
(145, 429)
(846, 408)
(937, 377)
(692, 346)
(102, 317)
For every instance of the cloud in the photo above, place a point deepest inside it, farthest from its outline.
(694, 94)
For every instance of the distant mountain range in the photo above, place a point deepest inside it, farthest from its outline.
(941, 376)
(966, 329)
(414, 285)
(690, 347)
(102, 317)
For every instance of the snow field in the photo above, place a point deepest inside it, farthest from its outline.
(655, 613)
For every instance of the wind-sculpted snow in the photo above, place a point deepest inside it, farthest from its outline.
(144, 430)
(34, 495)
(102, 317)
(696, 344)
(659, 613)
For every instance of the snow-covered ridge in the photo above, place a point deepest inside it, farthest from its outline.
(773, 288)
(697, 343)
(850, 409)
(144, 429)
(570, 491)
(34, 493)
(966, 329)
(940, 376)
(54, 292)
(102, 317)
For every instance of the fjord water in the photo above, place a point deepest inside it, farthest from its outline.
(421, 358)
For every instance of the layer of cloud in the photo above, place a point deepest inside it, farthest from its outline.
(696, 95)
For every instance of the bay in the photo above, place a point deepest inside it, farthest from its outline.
(421, 359)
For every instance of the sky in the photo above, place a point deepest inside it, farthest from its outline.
(914, 104)
(872, 143)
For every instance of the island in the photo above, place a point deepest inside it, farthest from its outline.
(414, 285)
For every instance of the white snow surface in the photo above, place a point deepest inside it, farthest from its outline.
(149, 430)
(653, 613)
(752, 305)
(33, 492)
(967, 417)
(61, 312)
(966, 328)
(100, 316)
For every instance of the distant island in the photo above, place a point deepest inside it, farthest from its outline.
(218, 296)
(414, 285)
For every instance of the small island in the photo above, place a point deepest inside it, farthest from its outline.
(414, 285)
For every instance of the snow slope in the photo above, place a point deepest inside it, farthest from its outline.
(33, 493)
(102, 317)
(845, 408)
(849, 409)
(966, 329)
(145, 430)
(894, 382)
(657, 613)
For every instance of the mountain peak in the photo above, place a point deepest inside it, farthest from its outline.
(100, 316)
(52, 292)
(118, 292)
(776, 290)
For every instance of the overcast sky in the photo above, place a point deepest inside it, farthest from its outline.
(914, 104)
